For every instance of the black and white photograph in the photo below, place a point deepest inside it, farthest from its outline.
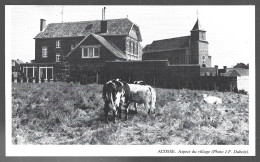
(106, 80)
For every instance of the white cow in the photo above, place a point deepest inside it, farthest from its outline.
(143, 94)
(212, 99)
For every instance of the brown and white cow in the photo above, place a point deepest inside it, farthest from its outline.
(120, 94)
(116, 93)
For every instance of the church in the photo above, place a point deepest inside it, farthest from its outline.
(191, 49)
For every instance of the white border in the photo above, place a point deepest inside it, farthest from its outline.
(117, 150)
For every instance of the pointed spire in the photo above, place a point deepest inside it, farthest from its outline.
(197, 26)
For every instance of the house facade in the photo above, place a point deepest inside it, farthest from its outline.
(191, 49)
(83, 45)
(16, 65)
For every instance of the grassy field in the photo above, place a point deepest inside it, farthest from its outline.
(67, 113)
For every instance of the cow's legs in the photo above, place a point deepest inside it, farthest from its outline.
(147, 107)
(114, 115)
(106, 110)
(152, 106)
(126, 111)
(135, 105)
(119, 112)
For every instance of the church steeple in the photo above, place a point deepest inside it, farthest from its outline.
(197, 32)
(199, 46)
(197, 26)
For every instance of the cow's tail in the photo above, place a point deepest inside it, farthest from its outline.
(153, 98)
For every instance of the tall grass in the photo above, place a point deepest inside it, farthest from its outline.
(67, 113)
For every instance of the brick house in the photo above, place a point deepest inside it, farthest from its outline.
(16, 65)
(191, 49)
(84, 45)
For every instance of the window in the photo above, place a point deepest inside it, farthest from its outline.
(44, 51)
(57, 43)
(131, 47)
(57, 57)
(90, 52)
(136, 49)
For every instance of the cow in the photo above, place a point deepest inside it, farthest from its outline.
(143, 94)
(116, 93)
(120, 94)
(211, 99)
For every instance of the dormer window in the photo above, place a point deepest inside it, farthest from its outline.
(90, 52)
(57, 43)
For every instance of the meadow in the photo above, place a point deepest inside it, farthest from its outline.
(71, 114)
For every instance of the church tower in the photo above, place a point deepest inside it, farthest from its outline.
(199, 46)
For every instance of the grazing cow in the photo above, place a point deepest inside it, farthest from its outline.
(120, 94)
(211, 99)
(143, 94)
(116, 93)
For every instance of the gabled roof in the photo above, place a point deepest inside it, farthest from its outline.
(18, 61)
(237, 72)
(168, 44)
(197, 26)
(83, 28)
(108, 45)
(243, 72)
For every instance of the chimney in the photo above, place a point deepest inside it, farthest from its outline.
(42, 24)
(225, 69)
(216, 68)
(103, 26)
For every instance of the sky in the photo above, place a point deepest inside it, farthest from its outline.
(230, 30)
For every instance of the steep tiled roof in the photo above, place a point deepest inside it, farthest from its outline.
(83, 28)
(168, 44)
(111, 47)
